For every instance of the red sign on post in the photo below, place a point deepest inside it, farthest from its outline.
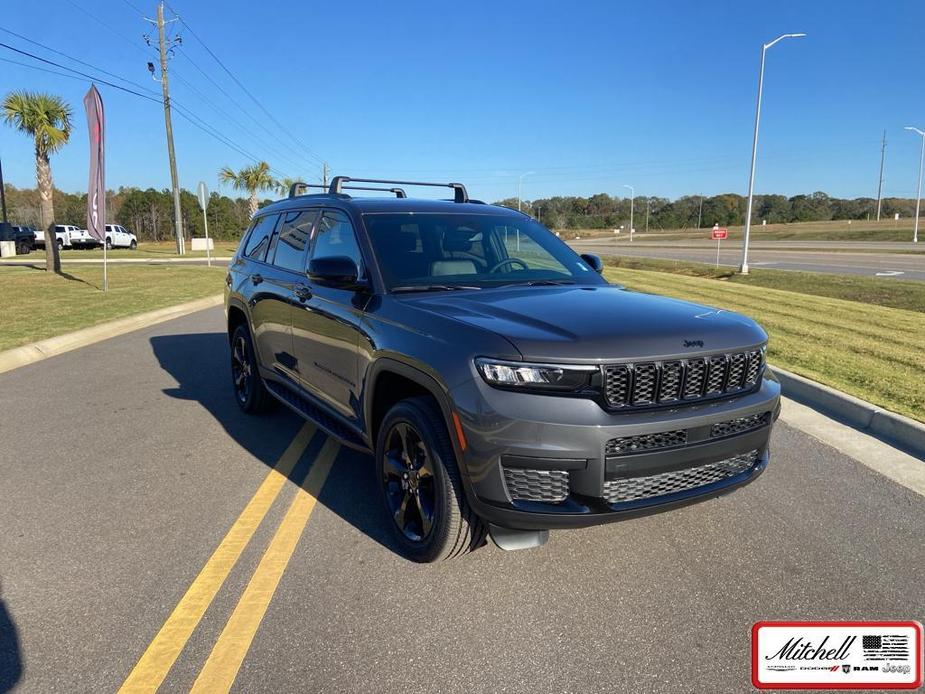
(719, 233)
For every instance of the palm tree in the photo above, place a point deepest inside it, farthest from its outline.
(284, 184)
(47, 119)
(251, 178)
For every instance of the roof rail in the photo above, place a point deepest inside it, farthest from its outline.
(299, 185)
(459, 190)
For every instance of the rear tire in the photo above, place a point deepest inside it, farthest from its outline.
(421, 486)
(23, 248)
(249, 390)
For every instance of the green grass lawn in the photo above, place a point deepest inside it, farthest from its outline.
(37, 305)
(869, 290)
(873, 352)
(146, 249)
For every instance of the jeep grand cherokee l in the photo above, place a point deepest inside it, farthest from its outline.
(501, 384)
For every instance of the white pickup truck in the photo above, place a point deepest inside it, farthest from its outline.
(67, 236)
(117, 236)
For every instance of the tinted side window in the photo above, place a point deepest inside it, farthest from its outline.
(335, 236)
(259, 238)
(292, 240)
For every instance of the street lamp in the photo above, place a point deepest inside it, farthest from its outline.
(632, 199)
(520, 183)
(918, 199)
(751, 176)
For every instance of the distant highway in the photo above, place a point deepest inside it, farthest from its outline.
(871, 260)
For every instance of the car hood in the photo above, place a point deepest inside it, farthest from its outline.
(592, 324)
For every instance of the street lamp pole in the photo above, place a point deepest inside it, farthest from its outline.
(632, 201)
(751, 176)
(918, 199)
(520, 184)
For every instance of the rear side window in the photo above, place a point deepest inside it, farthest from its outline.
(259, 238)
(335, 236)
(292, 240)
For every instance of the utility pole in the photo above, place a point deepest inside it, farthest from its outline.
(647, 214)
(880, 184)
(171, 155)
(2, 195)
(324, 174)
(700, 213)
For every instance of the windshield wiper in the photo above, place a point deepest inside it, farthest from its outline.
(431, 288)
(537, 283)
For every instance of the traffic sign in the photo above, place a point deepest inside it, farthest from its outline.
(203, 194)
(719, 233)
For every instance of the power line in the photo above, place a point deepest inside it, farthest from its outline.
(182, 110)
(76, 60)
(269, 115)
(243, 110)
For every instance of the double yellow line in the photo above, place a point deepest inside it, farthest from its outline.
(221, 667)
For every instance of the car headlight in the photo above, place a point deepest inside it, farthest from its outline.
(525, 376)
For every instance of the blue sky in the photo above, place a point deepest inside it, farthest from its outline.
(588, 95)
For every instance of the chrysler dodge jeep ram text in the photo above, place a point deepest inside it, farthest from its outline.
(502, 385)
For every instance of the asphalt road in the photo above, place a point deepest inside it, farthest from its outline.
(874, 262)
(126, 468)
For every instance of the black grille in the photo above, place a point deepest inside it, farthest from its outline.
(626, 445)
(740, 424)
(644, 384)
(536, 485)
(652, 486)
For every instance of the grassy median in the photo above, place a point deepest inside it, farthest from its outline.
(35, 305)
(873, 352)
(146, 249)
(894, 293)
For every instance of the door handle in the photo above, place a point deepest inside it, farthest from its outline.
(302, 292)
(256, 279)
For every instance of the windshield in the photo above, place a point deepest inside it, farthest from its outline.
(471, 250)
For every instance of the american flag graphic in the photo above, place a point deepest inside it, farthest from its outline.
(885, 647)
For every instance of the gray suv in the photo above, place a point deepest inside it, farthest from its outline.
(501, 384)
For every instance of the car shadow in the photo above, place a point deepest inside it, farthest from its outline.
(11, 666)
(199, 364)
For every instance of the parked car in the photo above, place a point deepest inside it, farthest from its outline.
(117, 236)
(502, 385)
(81, 238)
(25, 239)
(67, 236)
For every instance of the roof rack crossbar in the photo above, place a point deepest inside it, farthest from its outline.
(295, 188)
(459, 190)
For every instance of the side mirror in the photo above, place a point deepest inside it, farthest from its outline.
(335, 271)
(594, 261)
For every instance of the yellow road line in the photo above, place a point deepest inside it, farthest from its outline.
(159, 657)
(221, 669)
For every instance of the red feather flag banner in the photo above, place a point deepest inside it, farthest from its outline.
(96, 189)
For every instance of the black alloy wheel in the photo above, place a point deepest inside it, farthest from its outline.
(410, 483)
(241, 368)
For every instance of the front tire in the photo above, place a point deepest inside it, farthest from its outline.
(108, 244)
(250, 392)
(60, 245)
(421, 485)
(133, 245)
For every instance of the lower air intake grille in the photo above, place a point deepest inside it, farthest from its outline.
(638, 488)
(536, 485)
(626, 445)
(737, 426)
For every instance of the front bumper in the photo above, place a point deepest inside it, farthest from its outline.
(568, 438)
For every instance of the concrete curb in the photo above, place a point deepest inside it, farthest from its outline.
(37, 351)
(894, 428)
